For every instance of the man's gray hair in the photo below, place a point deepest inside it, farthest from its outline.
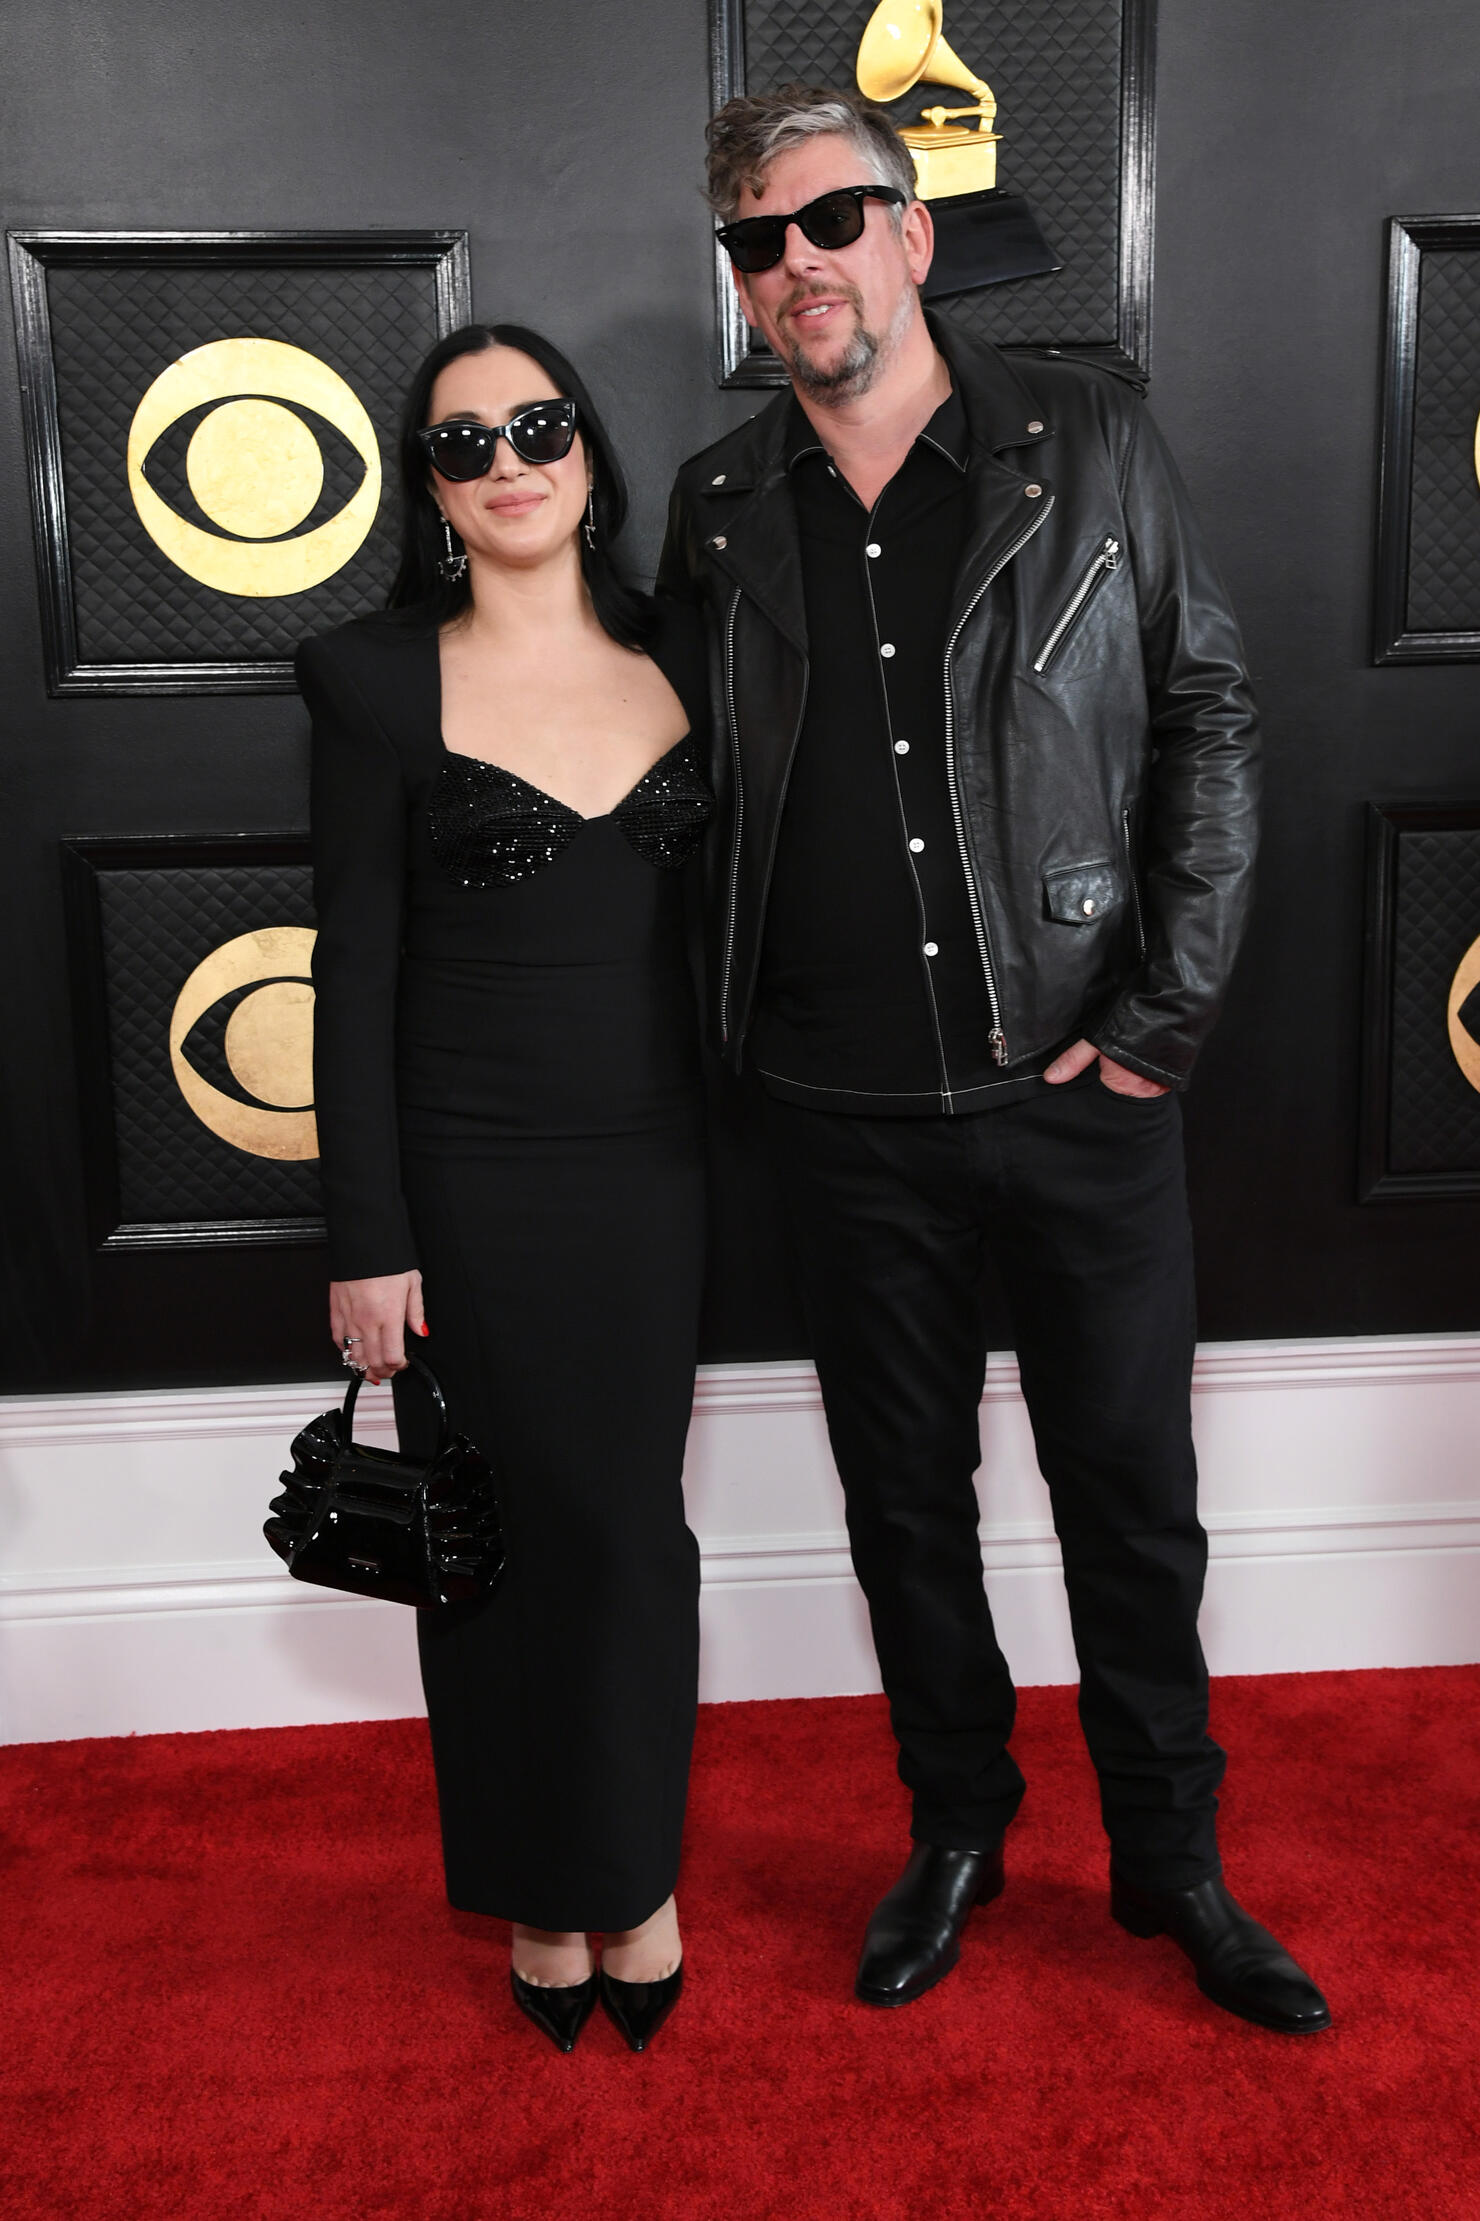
(749, 132)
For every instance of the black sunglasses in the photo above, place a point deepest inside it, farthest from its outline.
(542, 433)
(832, 220)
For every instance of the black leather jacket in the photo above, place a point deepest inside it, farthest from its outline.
(1101, 735)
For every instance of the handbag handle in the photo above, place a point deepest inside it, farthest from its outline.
(418, 1364)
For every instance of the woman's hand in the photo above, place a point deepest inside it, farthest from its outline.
(375, 1314)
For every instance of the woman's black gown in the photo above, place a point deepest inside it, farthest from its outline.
(506, 1082)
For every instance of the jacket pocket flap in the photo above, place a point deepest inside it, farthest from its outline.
(1077, 894)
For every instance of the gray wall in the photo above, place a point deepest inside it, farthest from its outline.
(569, 139)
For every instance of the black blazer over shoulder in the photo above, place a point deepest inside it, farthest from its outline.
(374, 692)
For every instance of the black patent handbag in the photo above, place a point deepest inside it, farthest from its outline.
(415, 1530)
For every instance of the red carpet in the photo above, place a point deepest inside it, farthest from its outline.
(234, 1990)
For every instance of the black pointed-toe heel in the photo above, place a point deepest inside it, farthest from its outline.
(637, 2010)
(562, 2013)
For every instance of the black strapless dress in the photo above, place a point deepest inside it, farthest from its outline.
(549, 1155)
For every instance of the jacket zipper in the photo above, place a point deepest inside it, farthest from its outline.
(1107, 559)
(1130, 867)
(724, 1008)
(997, 1038)
(729, 950)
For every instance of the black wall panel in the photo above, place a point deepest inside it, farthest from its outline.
(568, 139)
(1287, 135)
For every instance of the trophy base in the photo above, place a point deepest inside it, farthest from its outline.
(985, 239)
(948, 162)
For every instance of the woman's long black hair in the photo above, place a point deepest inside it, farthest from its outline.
(420, 594)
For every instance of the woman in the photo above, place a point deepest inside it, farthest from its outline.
(507, 1093)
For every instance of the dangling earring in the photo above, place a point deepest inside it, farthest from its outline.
(589, 527)
(454, 563)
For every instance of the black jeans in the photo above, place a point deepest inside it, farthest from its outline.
(1080, 1194)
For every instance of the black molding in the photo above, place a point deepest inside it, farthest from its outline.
(741, 362)
(217, 1233)
(1386, 825)
(32, 254)
(1410, 238)
(1137, 183)
(83, 859)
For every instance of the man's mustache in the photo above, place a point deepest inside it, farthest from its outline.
(813, 291)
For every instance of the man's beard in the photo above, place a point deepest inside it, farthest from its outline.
(855, 369)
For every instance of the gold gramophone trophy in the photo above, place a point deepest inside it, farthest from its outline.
(901, 45)
(983, 235)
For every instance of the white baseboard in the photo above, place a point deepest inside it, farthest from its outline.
(1341, 1491)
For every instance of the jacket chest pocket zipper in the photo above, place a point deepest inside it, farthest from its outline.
(1106, 560)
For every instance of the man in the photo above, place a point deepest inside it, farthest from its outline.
(986, 759)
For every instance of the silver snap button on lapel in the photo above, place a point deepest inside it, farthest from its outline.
(1035, 426)
(1089, 908)
(1032, 492)
(721, 478)
(719, 541)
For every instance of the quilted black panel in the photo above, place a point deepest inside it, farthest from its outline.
(1435, 1116)
(1444, 514)
(114, 329)
(157, 926)
(1055, 67)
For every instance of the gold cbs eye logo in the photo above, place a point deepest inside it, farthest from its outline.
(1464, 1014)
(248, 1009)
(254, 466)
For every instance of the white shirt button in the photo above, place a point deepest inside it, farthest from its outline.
(917, 848)
(932, 948)
(901, 748)
(887, 649)
(873, 548)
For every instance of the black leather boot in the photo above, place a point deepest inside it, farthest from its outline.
(914, 1937)
(1240, 1966)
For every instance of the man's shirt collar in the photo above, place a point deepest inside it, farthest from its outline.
(946, 432)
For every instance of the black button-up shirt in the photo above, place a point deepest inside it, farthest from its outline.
(873, 994)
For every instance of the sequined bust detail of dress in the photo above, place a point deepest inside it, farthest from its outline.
(490, 828)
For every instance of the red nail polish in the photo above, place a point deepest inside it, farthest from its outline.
(423, 1328)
